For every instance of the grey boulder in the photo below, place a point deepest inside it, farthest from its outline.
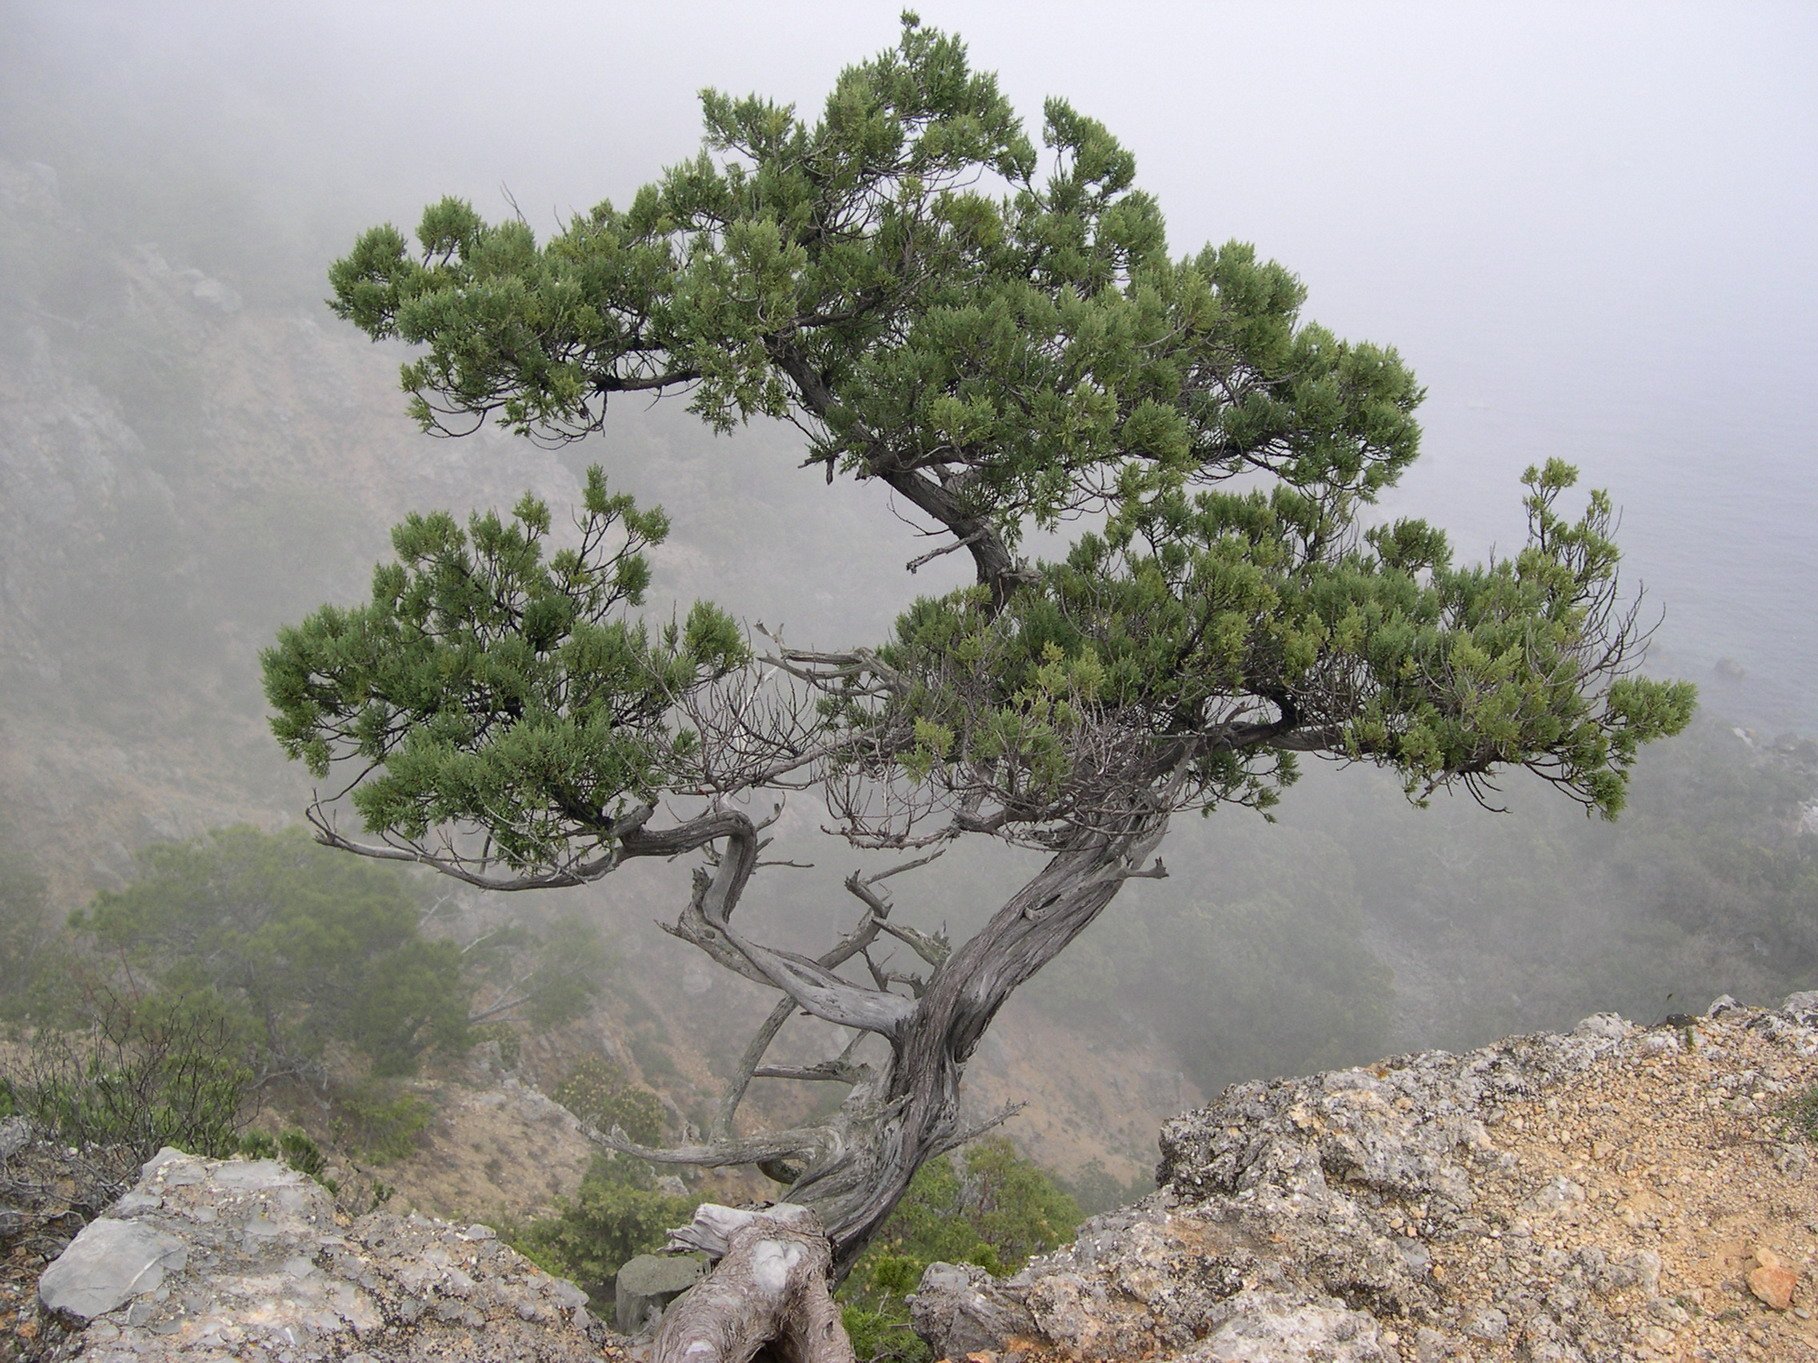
(108, 1264)
(206, 1261)
(647, 1284)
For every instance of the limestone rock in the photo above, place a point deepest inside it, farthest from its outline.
(1513, 1202)
(1802, 1004)
(15, 1134)
(110, 1262)
(960, 1308)
(1266, 1328)
(206, 1261)
(647, 1284)
(1771, 1281)
(1773, 1286)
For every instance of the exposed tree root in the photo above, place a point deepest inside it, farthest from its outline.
(769, 1297)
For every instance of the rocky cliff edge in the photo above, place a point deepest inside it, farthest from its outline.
(248, 1261)
(1618, 1193)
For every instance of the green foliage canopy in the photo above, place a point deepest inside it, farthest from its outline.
(35, 972)
(1002, 337)
(487, 683)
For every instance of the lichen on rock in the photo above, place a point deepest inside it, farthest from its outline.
(248, 1260)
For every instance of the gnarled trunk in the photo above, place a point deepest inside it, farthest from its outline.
(769, 1295)
(917, 1112)
(768, 1292)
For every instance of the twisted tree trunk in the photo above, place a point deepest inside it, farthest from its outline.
(915, 1116)
(771, 1290)
(770, 1293)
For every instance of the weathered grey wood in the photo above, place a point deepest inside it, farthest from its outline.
(914, 1115)
(714, 1225)
(772, 1291)
(904, 1111)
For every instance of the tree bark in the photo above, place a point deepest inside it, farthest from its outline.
(770, 1295)
(912, 1114)
(769, 1298)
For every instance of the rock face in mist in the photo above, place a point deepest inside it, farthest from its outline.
(1617, 1193)
(209, 1259)
(182, 470)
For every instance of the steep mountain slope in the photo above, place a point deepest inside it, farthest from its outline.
(179, 474)
(190, 463)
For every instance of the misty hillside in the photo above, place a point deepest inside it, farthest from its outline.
(197, 455)
(189, 467)
(173, 455)
(193, 461)
(1568, 239)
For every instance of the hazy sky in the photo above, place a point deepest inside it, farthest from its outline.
(1349, 139)
(1589, 227)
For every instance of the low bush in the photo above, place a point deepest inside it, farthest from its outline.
(1096, 1189)
(147, 1071)
(618, 1214)
(598, 1092)
(1799, 1115)
(323, 950)
(989, 1206)
(380, 1122)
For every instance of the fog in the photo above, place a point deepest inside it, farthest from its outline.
(1589, 229)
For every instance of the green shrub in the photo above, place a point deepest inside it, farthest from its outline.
(301, 1153)
(597, 1091)
(320, 948)
(39, 976)
(618, 1214)
(874, 1309)
(379, 1122)
(990, 1206)
(1096, 1189)
(1799, 1114)
(161, 1069)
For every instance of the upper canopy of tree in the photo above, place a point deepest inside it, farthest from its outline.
(1002, 338)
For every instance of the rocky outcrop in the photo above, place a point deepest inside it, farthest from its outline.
(247, 1260)
(1617, 1193)
(48, 1191)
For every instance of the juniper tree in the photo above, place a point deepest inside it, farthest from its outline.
(1000, 338)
